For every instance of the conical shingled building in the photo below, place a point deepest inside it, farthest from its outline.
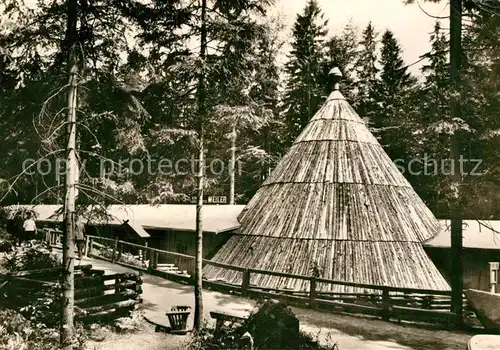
(337, 201)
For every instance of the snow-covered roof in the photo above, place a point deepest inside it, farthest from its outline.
(478, 234)
(179, 217)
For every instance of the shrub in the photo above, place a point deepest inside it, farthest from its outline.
(44, 306)
(16, 332)
(273, 326)
(6, 240)
(4, 235)
(34, 258)
(39, 305)
(131, 260)
(104, 252)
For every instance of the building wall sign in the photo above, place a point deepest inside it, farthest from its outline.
(211, 200)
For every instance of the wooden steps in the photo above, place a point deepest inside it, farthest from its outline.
(170, 268)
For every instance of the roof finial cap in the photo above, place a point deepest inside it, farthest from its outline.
(336, 75)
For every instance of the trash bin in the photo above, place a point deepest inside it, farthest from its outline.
(178, 321)
(180, 308)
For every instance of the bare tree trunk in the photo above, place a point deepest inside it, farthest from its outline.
(198, 297)
(69, 210)
(67, 312)
(456, 209)
(232, 170)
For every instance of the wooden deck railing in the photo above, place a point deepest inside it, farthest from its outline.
(384, 301)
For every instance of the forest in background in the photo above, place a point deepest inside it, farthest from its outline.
(138, 76)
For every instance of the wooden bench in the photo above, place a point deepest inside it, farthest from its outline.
(222, 317)
(484, 342)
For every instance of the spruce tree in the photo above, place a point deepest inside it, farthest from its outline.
(394, 76)
(265, 92)
(341, 51)
(392, 93)
(433, 119)
(303, 92)
(366, 69)
(394, 107)
(480, 110)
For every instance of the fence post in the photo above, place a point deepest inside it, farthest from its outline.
(312, 292)
(143, 252)
(91, 245)
(118, 280)
(150, 260)
(120, 251)
(386, 305)
(245, 283)
(155, 259)
(115, 247)
(47, 236)
(87, 245)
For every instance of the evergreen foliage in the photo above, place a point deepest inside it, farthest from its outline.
(304, 91)
(138, 91)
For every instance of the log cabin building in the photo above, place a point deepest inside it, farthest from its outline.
(170, 227)
(481, 246)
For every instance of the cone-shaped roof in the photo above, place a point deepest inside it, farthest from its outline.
(335, 199)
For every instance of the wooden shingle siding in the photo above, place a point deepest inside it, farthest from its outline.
(335, 199)
(338, 162)
(338, 211)
(392, 264)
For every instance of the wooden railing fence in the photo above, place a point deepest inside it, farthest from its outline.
(383, 301)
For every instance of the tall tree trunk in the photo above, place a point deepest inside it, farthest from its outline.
(232, 170)
(69, 211)
(67, 312)
(456, 209)
(198, 297)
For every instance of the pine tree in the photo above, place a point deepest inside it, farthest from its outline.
(341, 51)
(366, 68)
(390, 118)
(433, 118)
(303, 92)
(218, 73)
(265, 92)
(480, 110)
(106, 106)
(394, 77)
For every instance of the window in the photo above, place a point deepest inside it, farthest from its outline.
(182, 248)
